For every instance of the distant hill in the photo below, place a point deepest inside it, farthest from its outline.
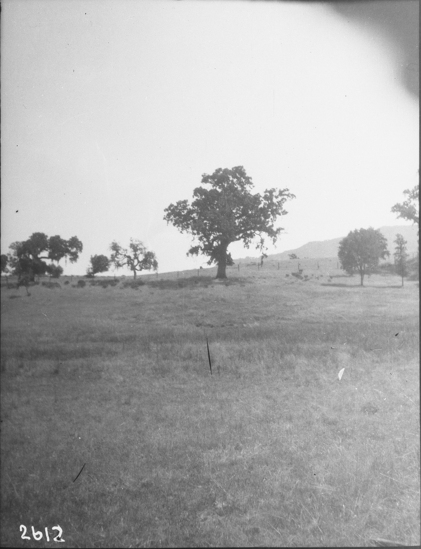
(329, 248)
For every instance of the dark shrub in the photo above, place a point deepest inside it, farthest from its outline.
(134, 284)
(81, 283)
(51, 285)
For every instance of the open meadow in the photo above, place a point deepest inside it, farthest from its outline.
(272, 449)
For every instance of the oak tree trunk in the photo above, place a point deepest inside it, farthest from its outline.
(222, 262)
(222, 269)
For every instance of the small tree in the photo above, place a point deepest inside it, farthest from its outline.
(409, 209)
(262, 258)
(227, 212)
(262, 250)
(136, 257)
(401, 257)
(361, 251)
(99, 264)
(24, 280)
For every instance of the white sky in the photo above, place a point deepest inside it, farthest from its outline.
(111, 110)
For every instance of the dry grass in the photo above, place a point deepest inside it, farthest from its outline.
(272, 449)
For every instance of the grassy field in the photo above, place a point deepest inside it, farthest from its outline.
(272, 449)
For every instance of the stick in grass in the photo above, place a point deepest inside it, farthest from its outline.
(209, 357)
(80, 472)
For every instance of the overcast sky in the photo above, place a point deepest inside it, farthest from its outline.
(111, 110)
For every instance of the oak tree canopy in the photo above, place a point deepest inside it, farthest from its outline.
(228, 212)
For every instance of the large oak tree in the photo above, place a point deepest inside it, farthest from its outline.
(28, 258)
(227, 212)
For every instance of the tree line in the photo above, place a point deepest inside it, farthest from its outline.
(224, 210)
(28, 259)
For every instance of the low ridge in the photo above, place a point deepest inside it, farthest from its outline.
(329, 248)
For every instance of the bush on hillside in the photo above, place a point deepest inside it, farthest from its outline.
(51, 285)
(104, 283)
(134, 284)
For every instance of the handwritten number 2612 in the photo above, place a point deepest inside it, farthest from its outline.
(38, 535)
